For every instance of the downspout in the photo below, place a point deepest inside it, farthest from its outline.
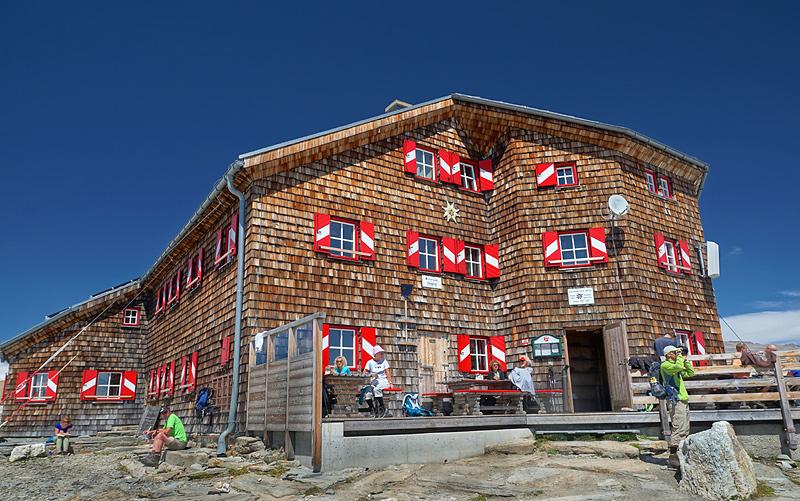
(237, 336)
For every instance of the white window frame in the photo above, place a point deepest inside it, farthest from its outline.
(475, 357)
(340, 240)
(569, 263)
(469, 250)
(38, 384)
(664, 189)
(651, 182)
(566, 170)
(351, 361)
(671, 255)
(422, 166)
(426, 254)
(125, 319)
(469, 181)
(108, 386)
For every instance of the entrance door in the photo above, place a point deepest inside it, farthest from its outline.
(615, 340)
(587, 372)
(432, 355)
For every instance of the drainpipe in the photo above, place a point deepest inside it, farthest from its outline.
(237, 338)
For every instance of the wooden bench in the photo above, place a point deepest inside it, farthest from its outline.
(437, 401)
(506, 401)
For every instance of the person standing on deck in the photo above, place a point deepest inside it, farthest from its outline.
(662, 342)
(673, 370)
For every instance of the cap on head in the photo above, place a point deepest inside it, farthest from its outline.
(670, 349)
(377, 350)
(164, 408)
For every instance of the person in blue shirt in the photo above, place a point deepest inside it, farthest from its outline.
(663, 342)
(340, 367)
(62, 435)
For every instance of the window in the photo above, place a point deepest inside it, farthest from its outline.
(651, 181)
(671, 257)
(39, 386)
(472, 256)
(428, 254)
(468, 179)
(664, 187)
(479, 359)
(194, 269)
(658, 185)
(130, 317)
(682, 337)
(425, 164)
(226, 240)
(343, 343)
(343, 237)
(108, 384)
(566, 175)
(174, 288)
(574, 249)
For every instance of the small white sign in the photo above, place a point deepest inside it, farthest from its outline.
(583, 295)
(430, 282)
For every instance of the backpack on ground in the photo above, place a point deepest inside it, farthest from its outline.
(412, 408)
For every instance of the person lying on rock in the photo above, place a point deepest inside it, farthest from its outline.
(62, 435)
(673, 370)
(172, 436)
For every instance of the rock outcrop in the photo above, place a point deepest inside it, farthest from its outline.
(714, 465)
(21, 452)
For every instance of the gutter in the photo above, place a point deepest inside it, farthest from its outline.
(237, 339)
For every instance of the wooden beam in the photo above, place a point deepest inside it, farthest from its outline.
(725, 397)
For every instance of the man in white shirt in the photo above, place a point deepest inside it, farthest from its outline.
(378, 369)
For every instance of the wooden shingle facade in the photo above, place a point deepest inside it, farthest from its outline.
(356, 176)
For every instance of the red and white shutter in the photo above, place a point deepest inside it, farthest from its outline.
(199, 265)
(445, 167)
(546, 175)
(455, 169)
(486, 175)
(322, 232)
(161, 382)
(492, 257)
(171, 378)
(661, 250)
(461, 258)
(151, 386)
(369, 338)
(498, 347)
(225, 352)
(412, 246)
(184, 372)
(410, 156)
(464, 362)
(698, 344)
(218, 246)
(233, 230)
(686, 258)
(21, 392)
(450, 255)
(367, 243)
(552, 248)
(326, 347)
(89, 384)
(597, 245)
(192, 382)
(51, 390)
(128, 389)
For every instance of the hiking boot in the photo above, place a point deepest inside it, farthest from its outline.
(673, 461)
(151, 459)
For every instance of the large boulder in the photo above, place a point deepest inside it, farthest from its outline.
(247, 445)
(19, 453)
(37, 451)
(602, 448)
(186, 457)
(714, 465)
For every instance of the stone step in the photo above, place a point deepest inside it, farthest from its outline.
(130, 428)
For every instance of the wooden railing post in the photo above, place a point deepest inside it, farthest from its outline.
(287, 437)
(788, 436)
(316, 395)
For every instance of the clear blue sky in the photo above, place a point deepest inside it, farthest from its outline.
(116, 118)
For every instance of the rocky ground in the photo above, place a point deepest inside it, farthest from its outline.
(568, 470)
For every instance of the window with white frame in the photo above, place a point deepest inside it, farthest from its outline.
(425, 164)
(343, 237)
(130, 317)
(682, 337)
(671, 257)
(39, 385)
(342, 342)
(428, 254)
(664, 187)
(468, 178)
(565, 175)
(472, 256)
(651, 181)
(574, 249)
(479, 358)
(108, 384)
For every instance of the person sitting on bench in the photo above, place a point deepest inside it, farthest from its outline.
(495, 373)
(340, 367)
(378, 369)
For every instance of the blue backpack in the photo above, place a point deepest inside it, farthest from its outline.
(411, 407)
(203, 397)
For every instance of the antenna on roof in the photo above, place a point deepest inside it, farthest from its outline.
(397, 105)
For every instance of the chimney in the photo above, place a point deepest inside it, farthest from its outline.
(396, 105)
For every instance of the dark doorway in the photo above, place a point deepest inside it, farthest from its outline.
(587, 367)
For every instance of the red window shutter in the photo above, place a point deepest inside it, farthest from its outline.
(686, 258)
(199, 265)
(218, 246)
(52, 385)
(597, 239)
(464, 362)
(177, 284)
(412, 244)
(698, 345)
(233, 231)
(184, 372)
(449, 255)
(21, 392)
(487, 175)
(367, 240)
(128, 389)
(455, 169)
(410, 156)
(552, 248)
(322, 232)
(661, 250)
(369, 338)
(89, 384)
(171, 378)
(192, 382)
(326, 347)
(546, 175)
(491, 256)
(461, 261)
(498, 344)
(225, 354)
(160, 383)
(151, 388)
(445, 166)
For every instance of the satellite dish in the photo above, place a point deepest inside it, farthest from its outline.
(618, 206)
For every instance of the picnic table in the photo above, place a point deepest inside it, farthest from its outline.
(468, 393)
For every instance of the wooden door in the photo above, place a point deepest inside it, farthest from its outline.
(615, 341)
(432, 354)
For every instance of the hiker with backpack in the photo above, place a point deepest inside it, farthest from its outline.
(672, 372)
